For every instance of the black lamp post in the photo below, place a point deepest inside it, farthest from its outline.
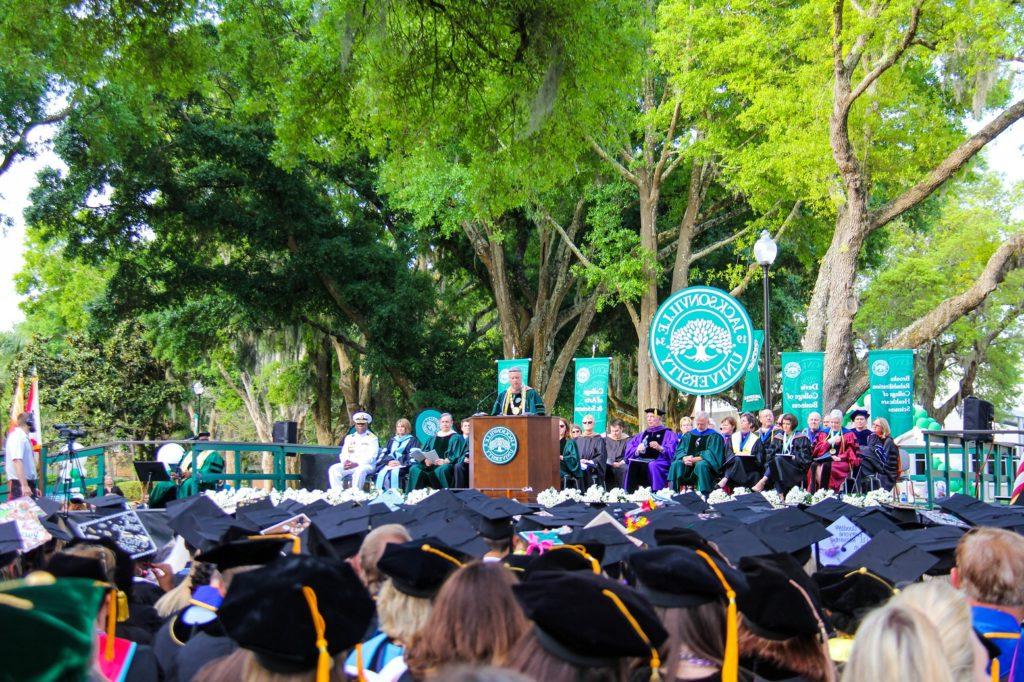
(765, 251)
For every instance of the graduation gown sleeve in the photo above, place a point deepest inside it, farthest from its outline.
(570, 464)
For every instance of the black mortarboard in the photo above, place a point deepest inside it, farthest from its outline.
(496, 516)
(10, 542)
(892, 558)
(679, 577)
(313, 507)
(939, 541)
(49, 505)
(259, 551)
(655, 410)
(345, 538)
(263, 518)
(789, 530)
(774, 607)
(741, 510)
(109, 502)
(275, 612)
(562, 558)
(691, 501)
(62, 565)
(442, 500)
(197, 505)
(616, 545)
(850, 595)
(680, 537)
(859, 412)
(539, 522)
(979, 513)
(588, 620)
(738, 543)
(457, 533)
(402, 517)
(831, 509)
(905, 517)
(873, 521)
(754, 500)
(419, 567)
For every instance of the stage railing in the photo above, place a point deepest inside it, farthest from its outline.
(973, 462)
(278, 475)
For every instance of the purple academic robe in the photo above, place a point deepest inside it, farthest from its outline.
(659, 467)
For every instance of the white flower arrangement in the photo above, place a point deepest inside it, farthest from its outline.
(641, 494)
(546, 498)
(774, 498)
(878, 497)
(718, 496)
(595, 493)
(615, 495)
(740, 491)
(797, 495)
(822, 494)
(855, 500)
(417, 496)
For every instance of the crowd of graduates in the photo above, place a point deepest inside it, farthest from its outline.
(464, 587)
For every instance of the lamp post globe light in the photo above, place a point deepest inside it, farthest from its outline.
(199, 390)
(765, 251)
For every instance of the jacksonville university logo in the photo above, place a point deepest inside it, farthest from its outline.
(500, 445)
(582, 375)
(427, 424)
(701, 340)
(880, 368)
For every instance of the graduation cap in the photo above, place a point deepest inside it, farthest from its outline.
(681, 577)
(754, 500)
(655, 410)
(831, 509)
(49, 505)
(979, 513)
(874, 521)
(10, 543)
(939, 541)
(616, 545)
(781, 602)
(344, 538)
(675, 536)
(204, 532)
(691, 501)
(457, 533)
(313, 507)
(590, 621)
(789, 530)
(401, 517)
(108, 502)
(496, 516)
(540, 522)
(49, 626)
(263, 518)
(905, 517)
(198, 505)
(562, 558)
(850, 595)
(859, 412)
(892, 558)
(257, 550)
(738, 543)
(280, 612)
(418, 568)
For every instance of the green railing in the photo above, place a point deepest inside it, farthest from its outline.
(968, 465)
(279, 476)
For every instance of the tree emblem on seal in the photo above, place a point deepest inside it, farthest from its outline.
(704, 337)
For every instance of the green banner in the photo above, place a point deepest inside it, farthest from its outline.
(802, 378)
(591, 397)
(505, 365)
(753, 392)
(892, 388)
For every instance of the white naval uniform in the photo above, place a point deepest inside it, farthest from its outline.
(359, 448)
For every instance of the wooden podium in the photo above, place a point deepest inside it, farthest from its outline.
(532, 468)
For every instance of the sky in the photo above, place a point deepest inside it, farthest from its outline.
(1004, 156)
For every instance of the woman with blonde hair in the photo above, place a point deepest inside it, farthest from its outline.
(393, 460)
(897, 642)
(880, 463)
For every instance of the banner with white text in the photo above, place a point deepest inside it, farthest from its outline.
(892, 388)
(591, 396)
(802, 379)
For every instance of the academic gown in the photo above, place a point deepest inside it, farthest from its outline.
(593, 448)
(709, 446)
(615, 477)
(787, 470)
(832, 464)
(394, 450)
(570, 462)
(210, 462)
(209, 644)
(880, 465)
(533, 403)
(862, 436)
(662, 459)
(743, 467)
(452, 447)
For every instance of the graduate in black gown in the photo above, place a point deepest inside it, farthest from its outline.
(860, 426)
(593, 455)
(789, 457)
(744, 466)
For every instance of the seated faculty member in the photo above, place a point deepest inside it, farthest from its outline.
(593, 454)
(657, 443)
(699, 457)
(451, 451)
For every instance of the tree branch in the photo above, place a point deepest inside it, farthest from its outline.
(18, 148)
(950, 165)
(890, 59)
(619, 168)
(754, 267)
(666, 147)
(719, 244)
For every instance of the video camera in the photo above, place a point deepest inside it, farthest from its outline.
(71, 431)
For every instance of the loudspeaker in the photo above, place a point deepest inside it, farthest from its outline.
(286, 432)
(978, 416)
(313, 470)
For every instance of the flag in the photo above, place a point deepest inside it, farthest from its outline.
(17, 405)
(1017, 496)
(32, 407)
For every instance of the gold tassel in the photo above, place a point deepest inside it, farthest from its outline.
(324, 662)
(995, 670)
(655, 657)
(108, 651)
(122, 607)
(359, 663)
(731, 658)
(444, 555)
(296, 541)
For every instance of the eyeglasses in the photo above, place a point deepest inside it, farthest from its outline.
(561, 426)
(588, 421)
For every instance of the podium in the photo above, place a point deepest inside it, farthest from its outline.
(514, 457)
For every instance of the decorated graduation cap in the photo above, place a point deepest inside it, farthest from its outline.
(781, 602)
(591, 621)
(850, 594)
(202, 607)
(297, 614)
(48, 627)
(655, 410)
(418, 568)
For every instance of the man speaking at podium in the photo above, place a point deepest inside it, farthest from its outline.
(518, 399)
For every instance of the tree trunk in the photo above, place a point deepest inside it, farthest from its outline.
(650, 389)
(323, 387)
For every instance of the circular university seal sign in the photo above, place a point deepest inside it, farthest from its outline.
(880, 368)
(583, 375)
(427, 423)
(701, 340)
(500, 445)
